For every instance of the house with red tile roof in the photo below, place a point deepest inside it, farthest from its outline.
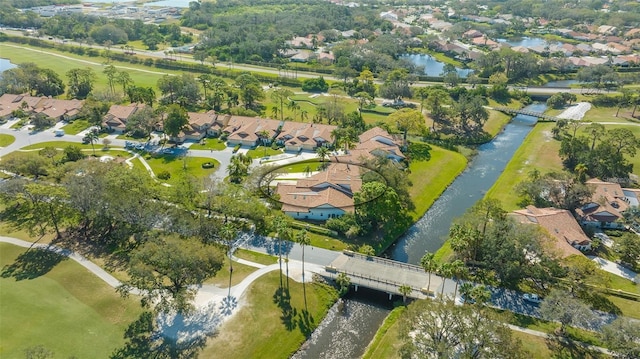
(32, 105)
(375, 142)
(297, 136)
(566, 236)
(199, 126)
(607, 203)
(325, 195)
(118, 115)
(246, 131)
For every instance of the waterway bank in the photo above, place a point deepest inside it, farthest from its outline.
(429, 233)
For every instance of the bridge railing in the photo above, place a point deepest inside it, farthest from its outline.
(384, 261)
(376, 280)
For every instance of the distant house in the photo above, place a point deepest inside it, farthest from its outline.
(246, 131)
(296, 136)
(51, 107)
(607, 203)
(471, 34)
(116, 119)
(375, 142)
(198, 127)
(566, 235)
(325, 195)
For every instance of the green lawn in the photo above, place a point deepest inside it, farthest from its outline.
(215, 144)
(262, 151)
(538, 151)
(75, 127)
(176, 166)
(141, 75)
(60, 306)
(6, 140)
(431, 178)
(256, 257)
(262, 329)
(57, 144)
(386, 343)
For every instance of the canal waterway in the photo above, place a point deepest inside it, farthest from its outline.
(429, 232)
(349, 326)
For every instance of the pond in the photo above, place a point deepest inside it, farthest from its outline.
(6, 65)
(433, 67)
(561, 83)
(171, 3)
(527, 41)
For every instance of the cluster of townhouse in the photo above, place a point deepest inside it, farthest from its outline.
(56, 109)
(238, 130)
(329, 193)
(604, 210)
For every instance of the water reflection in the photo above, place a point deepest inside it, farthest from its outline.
(430, 231)
(348, 328)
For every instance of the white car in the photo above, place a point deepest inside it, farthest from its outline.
(533, 298)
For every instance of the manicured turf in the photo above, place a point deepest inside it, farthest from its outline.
(57, 144)
(141, 75)
(6, 140)
(256, 257)
(75, 127)
(431, 178)
(538, 151)
(176, 166)
(262, 151)
(63, 307)
(262, 330)
(386, 343)
(210, 144)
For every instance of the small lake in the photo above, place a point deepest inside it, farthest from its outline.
(528, 42)
(561, 83)
(6, 65)
(433, 67)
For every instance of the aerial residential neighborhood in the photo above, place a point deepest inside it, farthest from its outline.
(319, 179)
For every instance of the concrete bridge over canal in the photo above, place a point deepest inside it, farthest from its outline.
(384, 275)
(512, 111)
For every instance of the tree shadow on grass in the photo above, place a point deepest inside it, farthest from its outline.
(32, 264)
(169, 336)
(305, 323)
(282, 298)
(565, 348)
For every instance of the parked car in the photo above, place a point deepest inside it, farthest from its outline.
(59, 133)
(533, 298)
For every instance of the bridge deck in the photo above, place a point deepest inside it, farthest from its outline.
(513, 111)
(382, 274)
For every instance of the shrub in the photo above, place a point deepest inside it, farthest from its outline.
(164, 175)
(315, 85)
(208, 165)
(236, 148)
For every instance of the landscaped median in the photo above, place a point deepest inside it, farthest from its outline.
(6, 140)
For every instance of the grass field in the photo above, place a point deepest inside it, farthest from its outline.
(61, 62)
(58, 144)
(264, 328)
(176, 166)
(75, 127)
(6, 140)
(262, 151)
(60, 306)
(210, 144)
(538, 151)
(431, 178)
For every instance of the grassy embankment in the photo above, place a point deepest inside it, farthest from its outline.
(6, 140)
(251, 332)
(52, 301)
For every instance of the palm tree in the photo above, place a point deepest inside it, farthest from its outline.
(323, 153)
(445, 271)
(465, 291)
(281, 227)
(428, 262)
(264, 137)
(458, 271)
(302, 238)
(92, 136)
(304, 115)
(228, 234)
(405, 290)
